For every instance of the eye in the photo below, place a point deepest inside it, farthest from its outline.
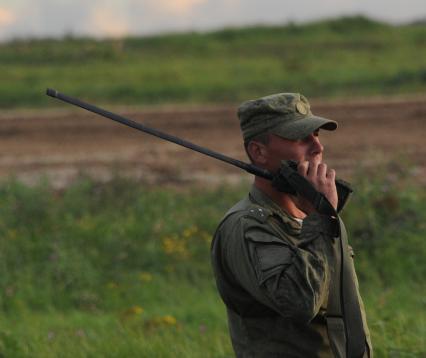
(309, 138)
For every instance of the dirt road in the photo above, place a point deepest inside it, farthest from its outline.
(60, 145)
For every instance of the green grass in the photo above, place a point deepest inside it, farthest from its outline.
(118, 270)
(200, 329)
(343, 57)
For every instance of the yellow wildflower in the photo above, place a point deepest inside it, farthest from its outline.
(145, 277)
(188, 232)
(169, 320)
(168, 245)
(136, 310)
(132, 312)
(175, 247)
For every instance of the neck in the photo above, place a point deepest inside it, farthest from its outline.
(284, 201)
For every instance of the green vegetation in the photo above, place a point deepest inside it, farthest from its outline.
(117, 270)
(337, 58)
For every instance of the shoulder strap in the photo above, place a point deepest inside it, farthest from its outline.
(240, 206)
(334, 316)
(356, 340)
(344, 320)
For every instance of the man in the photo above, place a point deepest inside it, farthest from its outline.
(281, 260)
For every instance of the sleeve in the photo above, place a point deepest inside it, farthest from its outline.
(292, 280)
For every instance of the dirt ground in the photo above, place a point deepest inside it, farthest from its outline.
(62, 144)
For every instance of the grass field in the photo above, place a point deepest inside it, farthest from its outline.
(122, 270)
(116, 270)
(337, 58)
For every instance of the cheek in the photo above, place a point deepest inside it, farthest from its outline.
(275, 162)
(294, 153)
(276, 156)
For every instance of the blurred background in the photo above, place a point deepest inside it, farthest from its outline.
(105, 231)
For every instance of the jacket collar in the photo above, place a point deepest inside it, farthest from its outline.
(258, 197)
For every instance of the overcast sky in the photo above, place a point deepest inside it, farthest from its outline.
(40, 18)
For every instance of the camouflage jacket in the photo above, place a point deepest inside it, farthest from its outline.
(273, 273)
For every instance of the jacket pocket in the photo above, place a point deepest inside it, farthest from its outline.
(271, 255)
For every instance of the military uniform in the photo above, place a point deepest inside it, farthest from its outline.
(280, 277)
(273, 272)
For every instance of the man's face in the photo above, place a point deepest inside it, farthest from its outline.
(279, 149)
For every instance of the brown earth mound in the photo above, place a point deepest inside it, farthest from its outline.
(61, 145)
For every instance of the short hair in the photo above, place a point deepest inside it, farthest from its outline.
(263, 138)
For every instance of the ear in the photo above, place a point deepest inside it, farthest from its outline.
(258, 152)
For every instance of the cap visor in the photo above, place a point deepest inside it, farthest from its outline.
(301, 128)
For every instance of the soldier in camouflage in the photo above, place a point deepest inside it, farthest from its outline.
(275, 256)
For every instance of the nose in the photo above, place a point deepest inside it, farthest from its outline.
(316, 146)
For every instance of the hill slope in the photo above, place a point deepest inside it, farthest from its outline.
(337, 58)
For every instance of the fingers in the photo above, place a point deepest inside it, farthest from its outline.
(317, 172)
(322, 172)
(313, 168)
(302, 168)
(331, 175)
(322, 178)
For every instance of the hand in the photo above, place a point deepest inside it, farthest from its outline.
(323, 180)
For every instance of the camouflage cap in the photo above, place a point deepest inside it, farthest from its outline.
(287, 115)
